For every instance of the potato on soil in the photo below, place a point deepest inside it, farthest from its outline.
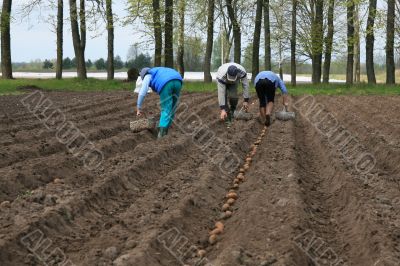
(201, 253)
(230, 201)
(225, 207)
(216, 231)
(232, 195)
(220, 225)
(235, 186)
(241, 170)
(227, 215)
(212, 239)
(57, 181)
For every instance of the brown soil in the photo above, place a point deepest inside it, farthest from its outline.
(153, 202)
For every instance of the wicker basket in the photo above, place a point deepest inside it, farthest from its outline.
(143, 124)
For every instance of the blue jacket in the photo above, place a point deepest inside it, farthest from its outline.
(160, 76)
(273, 78)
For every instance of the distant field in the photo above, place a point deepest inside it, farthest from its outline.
(380, 77)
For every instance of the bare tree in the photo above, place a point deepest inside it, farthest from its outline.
(281, 32)
(210, 41)
(370, 41)
(157, 33)
(350, 41)
(79, 36)
(317, 36)
(181, 37)
(329, 42)
(6, 65)
(293, 42)
(267, 36)
(357, 44)
(390, 30)
(256, 40)
(169, 33)
(110, 48)
(60, 38)
(237, 35)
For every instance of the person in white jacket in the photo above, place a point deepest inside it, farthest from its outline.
(228, 78)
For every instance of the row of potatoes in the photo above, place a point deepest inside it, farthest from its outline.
(232, 196)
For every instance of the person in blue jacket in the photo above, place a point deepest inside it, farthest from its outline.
(167, 83)
(266, 84)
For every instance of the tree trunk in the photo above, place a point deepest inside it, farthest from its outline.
(256, 40)
(329, 42)
(169, 27)
(6, 65)
(157, 33)
(181, 38)
(370, 42)
(293, 43)
(267, 36)
(110, 29)
(350, 42)
(237, 35)
(357, 46)
(280, 60)
(79, 38)
(390, 65)
(60, 38)
(317, 38)
(82, 19)
(210, 40)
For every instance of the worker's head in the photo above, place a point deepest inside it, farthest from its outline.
(144, 72)
(232, 73)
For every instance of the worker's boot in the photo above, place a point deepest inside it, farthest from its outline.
(268, 120)
(231, 112)
(162, 132)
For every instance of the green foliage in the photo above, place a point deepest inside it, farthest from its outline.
(67, 63)
(248, 57)
(118, 63)
(194, 53)
(141, 61)
(100, 64)
(47, 64)
(89, 63)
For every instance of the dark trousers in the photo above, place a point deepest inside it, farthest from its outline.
(265, 92)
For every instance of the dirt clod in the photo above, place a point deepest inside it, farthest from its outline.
(111, 253)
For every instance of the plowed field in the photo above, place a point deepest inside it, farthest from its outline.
(320, 190)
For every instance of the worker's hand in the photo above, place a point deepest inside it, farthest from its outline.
(139, 112)
(246, 106)
(224, 115)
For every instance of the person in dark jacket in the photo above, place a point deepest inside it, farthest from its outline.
(266, 84)
(167, 83)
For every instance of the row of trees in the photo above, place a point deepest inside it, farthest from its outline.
(301, 30)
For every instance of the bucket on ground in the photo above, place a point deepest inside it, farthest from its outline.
(284, 115)
(242, 115)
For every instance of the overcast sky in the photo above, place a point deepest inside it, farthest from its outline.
(34, 39)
